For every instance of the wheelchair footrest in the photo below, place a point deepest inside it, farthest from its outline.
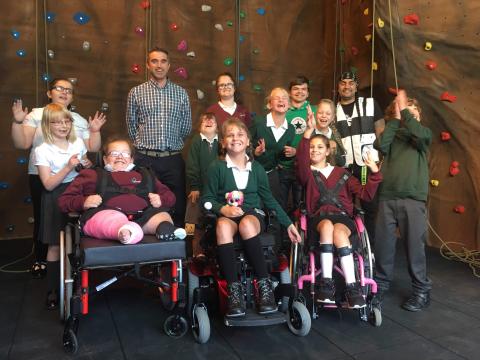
(252, 318)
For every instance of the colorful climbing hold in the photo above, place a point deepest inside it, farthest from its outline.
(50, 17)
(228, 61)
(445, 136)
(459, 209)
(446, 96)
(145, 4)
(206, 8)
(380, 23)
(135, 68)
(434, 182)
(428, 46)
(81, 18)
(182, 45)
(261, 11)
(21, 53)
(354, 50)
(182, 72)
(411, 19)
(430, 65)
(15, 34)
(173, 27)
(229, 23)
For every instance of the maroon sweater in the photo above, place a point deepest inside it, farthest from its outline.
(345, 196)
(221, 115)
(85, 184)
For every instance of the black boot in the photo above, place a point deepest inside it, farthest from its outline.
(417, 302)
(236, 301)
(166, 231)
(53, 282)
(266, 299)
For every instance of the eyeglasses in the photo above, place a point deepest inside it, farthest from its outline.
(63, 89)
(226, 86)
(61, 122)
(123, 154)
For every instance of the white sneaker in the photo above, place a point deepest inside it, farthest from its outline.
(180, 233)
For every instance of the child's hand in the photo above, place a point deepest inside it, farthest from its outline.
(73, 161)
(370, 162)
(155, 200)
(97, 122)
(92, 201)
(293, 234)
(19, 114)
(401, 100)
(86, 163)
(289, 151)
(310, 118)
(333, 146)
(194, 195)
(260, 149)
(231, 211)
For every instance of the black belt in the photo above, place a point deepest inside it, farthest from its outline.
(157, 153)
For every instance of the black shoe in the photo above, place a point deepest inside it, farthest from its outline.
(236, 301)
(52, 301)
(354, 296)
(266, 299)
(417, 302)
(325, 291)
(38, 270)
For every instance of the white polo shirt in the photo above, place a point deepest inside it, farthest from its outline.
(34, 119)
(52, 156)
(240, 175)
(277, 132)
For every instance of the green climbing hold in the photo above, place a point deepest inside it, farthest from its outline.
(228, 61)
(230, 23)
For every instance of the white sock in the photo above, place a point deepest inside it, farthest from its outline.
(346, 262)
(326, 259)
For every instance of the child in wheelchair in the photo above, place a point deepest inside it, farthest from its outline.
(329, 203)
(235, 189)
(121, 202)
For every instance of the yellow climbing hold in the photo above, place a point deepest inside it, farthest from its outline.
(368, 37)
(365, 12)
(428, 46)
(434, 182)
(374, 66)
(381, 23)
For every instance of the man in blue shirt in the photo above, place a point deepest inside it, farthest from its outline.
(158, 120)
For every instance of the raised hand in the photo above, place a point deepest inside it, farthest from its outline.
(96, 122)
(260, 149)
(368, 159)
(19, 113)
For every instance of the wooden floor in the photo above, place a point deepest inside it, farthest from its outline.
(126, 323)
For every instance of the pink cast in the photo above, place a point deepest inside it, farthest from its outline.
(107, 224)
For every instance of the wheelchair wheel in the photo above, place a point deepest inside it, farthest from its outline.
(376, 317)
(175, 326)
(66, 285)
(298, 319)
(70, 342)
(201, 325)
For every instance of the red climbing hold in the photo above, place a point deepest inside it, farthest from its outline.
(459, 209)
(430, 65)
(454, 170)
(411, 19)
(354, 51)
(448, 97)
(445, 135)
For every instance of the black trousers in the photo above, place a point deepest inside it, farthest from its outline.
(410, 217)
(281, 183)
(36, 189)
(170, 170)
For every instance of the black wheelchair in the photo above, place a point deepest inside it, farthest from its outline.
(207, 290)
(150, 261)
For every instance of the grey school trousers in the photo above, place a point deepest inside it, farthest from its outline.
(410, 217)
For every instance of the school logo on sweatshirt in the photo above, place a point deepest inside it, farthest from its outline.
(299, 124)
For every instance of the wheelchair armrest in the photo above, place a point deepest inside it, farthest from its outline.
(358, 211)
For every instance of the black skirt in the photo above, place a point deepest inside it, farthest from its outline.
(52, 220)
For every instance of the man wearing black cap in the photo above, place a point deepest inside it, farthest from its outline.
(359, 122)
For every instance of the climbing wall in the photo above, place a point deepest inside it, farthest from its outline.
(436, 45)
(101, 46)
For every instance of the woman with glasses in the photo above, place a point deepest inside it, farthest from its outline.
(27, 134)
(228, 104)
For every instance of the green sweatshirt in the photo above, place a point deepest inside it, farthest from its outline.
(200, 155)
(222, 181)
(298, 118)
(405, 167)
(274, 151)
